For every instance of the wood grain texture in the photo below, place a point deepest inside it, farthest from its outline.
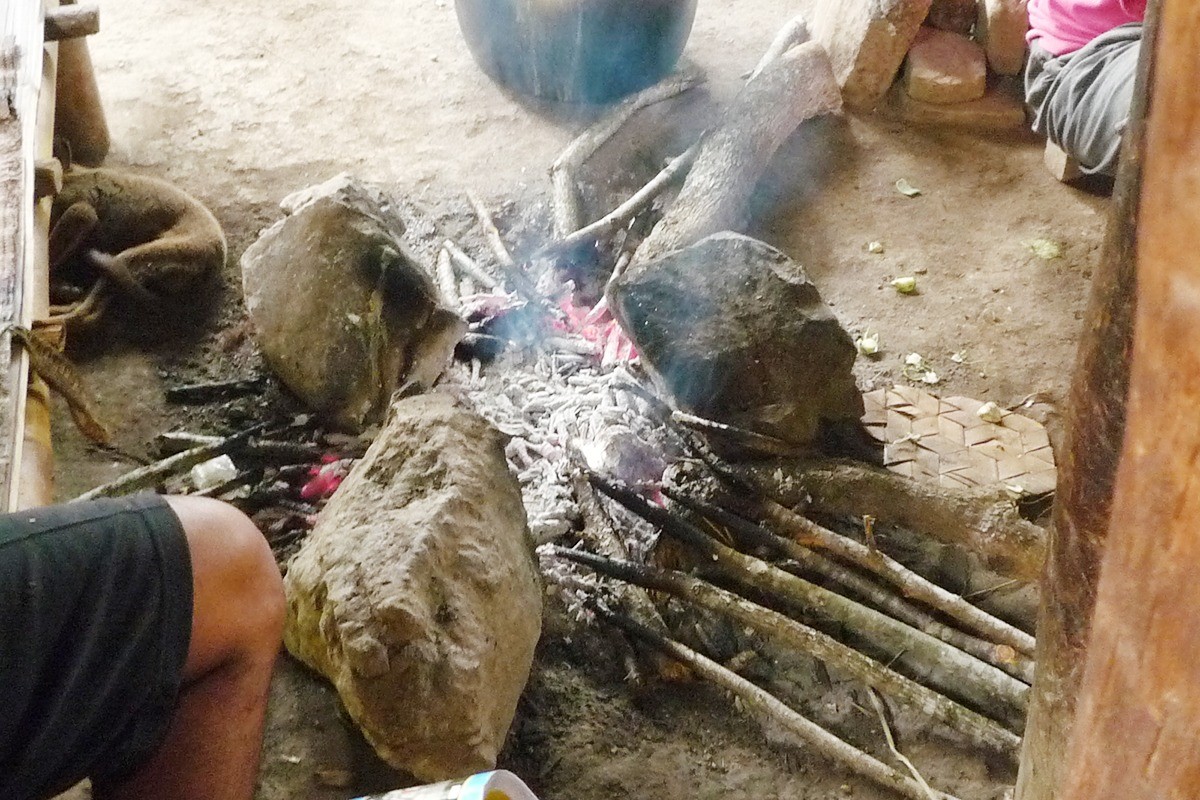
(1135, 734)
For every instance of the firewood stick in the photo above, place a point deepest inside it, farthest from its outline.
(469, 266)
(446, 280)
(910, 584)
(782, 630)
(519, 281)
(877, 701)
(772, 714)
(794, 32)
(1001, 656)
(151, 475)
(568, 215)
(921, 656)
(277, 451)
(626, 211)
(743, 436)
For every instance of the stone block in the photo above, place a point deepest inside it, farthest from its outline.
(998, 110)
(417, 593)
(866, 41)
(1001, 29)
(945, 67)
(1061, 165)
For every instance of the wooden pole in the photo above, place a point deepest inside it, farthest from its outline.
(79, 118)
(1139, 707)
(1087, 466)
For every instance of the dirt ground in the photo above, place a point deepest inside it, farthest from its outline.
(243, 103)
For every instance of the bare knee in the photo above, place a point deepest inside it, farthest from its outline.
(238, 602)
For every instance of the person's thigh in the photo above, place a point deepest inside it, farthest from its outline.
(1081, 101)
(95, 621)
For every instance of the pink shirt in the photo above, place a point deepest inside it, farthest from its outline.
(1064, 26)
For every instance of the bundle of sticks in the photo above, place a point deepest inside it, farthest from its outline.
(794, 582)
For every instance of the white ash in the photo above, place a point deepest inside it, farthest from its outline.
(556, 403)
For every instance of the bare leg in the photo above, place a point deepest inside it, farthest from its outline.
(214, 741)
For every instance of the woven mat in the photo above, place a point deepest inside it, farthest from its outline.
(943, 439)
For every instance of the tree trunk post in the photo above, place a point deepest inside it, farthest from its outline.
(1139, 701)
(1088, 464)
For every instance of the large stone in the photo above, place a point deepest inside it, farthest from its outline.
(945, 67)
(737, 333)
(343, 312)
(1001, 29)
(866, 41)
(952, 15)
(417, 592)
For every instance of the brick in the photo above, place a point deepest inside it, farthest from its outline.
(945, 67)
(997, 110)
(1001, 28)
(953, 15)
(866, 41)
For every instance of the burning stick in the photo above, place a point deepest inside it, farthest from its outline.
(1001, 656)
(568, 216)
(772, 713)
(778, 628)
(623, 213)
(520, 282)
(742, 436)
(948, 669)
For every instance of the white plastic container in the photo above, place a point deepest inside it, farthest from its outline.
(496, 785)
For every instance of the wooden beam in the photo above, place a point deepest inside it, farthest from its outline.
(71, 22)
(1136, 732)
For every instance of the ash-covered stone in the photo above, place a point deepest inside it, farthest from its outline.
(737, 333)
(417, 592)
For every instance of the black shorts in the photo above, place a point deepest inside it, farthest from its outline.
(95, 623)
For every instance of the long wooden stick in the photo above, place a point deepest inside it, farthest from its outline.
(770, 712)
(910, 583)
(781, 629)
(469, 266)
(519, 281)
(1001, 656)
(919, 655)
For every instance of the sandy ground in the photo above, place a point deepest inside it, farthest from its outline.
(243, 103)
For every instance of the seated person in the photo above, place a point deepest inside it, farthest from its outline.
(1083, 58)
(137, 641)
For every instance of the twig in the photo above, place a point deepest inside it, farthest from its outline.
(891, 743)
(213, 391)
(568, 215)
(1001, 656)
(519, 281)
(932, 661)
(149, 476)
(624, 212)
(468, 265)
(446, 280)
(770, 712)
(794, 32)
(743, 436)
(779, 628)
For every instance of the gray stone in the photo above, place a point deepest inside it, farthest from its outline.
(866, 41)
(737, 333)
(343, 312)
(417, 593)
(1001, 29)
(1000, 109)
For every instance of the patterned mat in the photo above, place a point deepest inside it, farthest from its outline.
(943, 439)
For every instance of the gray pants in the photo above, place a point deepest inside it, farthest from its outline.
(1081, 101)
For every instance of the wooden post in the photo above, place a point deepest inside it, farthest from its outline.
(1136, 732)
(1087, 466)
(79, 118)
